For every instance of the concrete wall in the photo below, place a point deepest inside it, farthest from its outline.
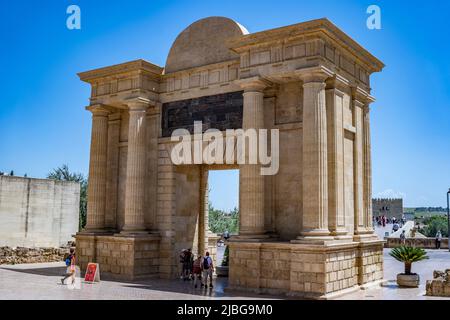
(37, 212)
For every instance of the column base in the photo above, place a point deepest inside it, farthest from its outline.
(94, 231)
(317, 236)
(365, 237)
(251, 237)
(132, 230)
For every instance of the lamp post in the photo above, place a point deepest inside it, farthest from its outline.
(448, 219)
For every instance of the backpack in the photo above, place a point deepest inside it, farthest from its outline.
(68, 261)
(205, 263)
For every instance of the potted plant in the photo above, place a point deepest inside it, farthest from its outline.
(222, 270)
(408, 255)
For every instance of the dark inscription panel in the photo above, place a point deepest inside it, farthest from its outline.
(221, 111)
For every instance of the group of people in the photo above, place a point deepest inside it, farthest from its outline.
(383, 221)
(199, 269)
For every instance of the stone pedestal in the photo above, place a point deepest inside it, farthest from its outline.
(305, 270)
(120, 257)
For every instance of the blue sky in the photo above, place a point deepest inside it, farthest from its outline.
(43, 123)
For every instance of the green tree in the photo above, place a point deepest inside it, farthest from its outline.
(220, 221)
(435, 223)
(63, 174)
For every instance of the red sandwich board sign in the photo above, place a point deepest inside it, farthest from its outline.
(92, 273)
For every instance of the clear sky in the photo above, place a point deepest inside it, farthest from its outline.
(43, 123)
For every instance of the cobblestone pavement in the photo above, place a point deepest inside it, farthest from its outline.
(42, 281)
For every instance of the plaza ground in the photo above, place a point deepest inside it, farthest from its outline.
(42, 281)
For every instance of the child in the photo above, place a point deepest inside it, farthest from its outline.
(70, 263)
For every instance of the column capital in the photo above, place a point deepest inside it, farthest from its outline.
(314, 74)
(99, 109)
(139, 104)
(361, 95)
(254, 84)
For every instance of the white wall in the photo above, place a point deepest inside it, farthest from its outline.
(37, 212)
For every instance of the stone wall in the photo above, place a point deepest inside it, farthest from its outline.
(128, 258)
(424, 243)
(21, 255)
(310, 271)
(388, 207)
(38, 212)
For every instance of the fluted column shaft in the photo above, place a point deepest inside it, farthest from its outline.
(315, 183)
(367, 170)
(135, 181)
(252, 218)
(97, 170)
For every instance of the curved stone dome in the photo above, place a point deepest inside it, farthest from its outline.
(202, 43)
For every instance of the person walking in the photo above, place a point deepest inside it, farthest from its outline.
(182, 259)
(197, 271)
(438, 239)
(186, 261)
(207, 270)
(70, 264)
(403, 238)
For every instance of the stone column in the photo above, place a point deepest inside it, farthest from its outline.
(335, 143)
(136, 158)
(315, 166)
(251, 182)
(203, 214)
(97, 169)
(112, 174)
(367, 170)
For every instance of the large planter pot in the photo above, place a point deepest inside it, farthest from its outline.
(408, 280)
(222, 271)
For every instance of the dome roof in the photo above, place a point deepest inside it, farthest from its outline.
(203, 42)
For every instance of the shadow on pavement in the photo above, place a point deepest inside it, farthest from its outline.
(49, 271)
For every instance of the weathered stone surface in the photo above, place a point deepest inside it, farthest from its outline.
(440, 285)
(222, 111)
(312, 83)
(22, 255)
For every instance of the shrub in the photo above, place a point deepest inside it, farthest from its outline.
(408, 255)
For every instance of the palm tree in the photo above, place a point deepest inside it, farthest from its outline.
(408, 255)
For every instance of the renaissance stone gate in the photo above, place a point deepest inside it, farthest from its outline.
(306, 230)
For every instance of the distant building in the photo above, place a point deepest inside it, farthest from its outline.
(387, 207)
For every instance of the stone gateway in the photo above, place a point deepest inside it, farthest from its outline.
(305, 231)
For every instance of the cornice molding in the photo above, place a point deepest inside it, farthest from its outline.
(127, 67)
(315, 27)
